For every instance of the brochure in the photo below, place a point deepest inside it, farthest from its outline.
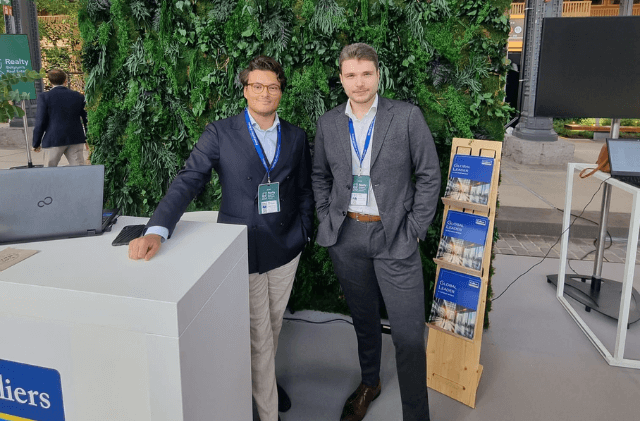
(463, 239)
(455, 304)
(470, 179)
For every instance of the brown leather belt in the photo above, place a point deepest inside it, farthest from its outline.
(363, 217)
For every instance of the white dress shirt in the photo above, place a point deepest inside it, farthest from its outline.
(360, 128)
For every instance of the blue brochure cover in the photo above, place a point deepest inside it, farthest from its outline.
(455, 305)
(470, 179)
(463, 239)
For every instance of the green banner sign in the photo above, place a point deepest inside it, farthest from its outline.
(15, 58)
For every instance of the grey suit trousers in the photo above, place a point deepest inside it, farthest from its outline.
(363, 276)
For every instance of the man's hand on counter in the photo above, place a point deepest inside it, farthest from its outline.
(145, 247)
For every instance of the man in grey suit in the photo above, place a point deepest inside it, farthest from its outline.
(372, 215)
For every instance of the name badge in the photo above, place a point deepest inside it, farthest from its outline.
(360, 190)
(268, 198)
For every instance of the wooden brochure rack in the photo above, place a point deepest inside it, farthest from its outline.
(453, 362)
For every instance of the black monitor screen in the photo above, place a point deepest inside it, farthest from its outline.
(589, 67)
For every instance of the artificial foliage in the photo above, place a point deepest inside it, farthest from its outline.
(60, 41)
(10, 98)
(158, 71)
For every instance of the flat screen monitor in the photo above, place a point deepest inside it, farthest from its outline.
(589, 67)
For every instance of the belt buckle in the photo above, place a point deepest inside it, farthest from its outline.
(357, 216)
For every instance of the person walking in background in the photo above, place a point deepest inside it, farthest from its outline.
(61, 122)
(264, 165)
(372, 214)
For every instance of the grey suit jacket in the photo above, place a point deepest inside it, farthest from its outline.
(402, 147)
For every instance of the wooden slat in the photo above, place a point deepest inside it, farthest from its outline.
(517, 8)
(576, 8)
(587, 128)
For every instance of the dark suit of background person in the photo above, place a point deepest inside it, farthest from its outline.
(379, 252)
(60, 118)
(275, 239)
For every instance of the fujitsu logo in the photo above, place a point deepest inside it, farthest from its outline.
(9, 392)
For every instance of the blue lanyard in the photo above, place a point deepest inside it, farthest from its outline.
(258, 146)
(366, 141)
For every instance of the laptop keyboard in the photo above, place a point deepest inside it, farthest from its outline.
(634, 180)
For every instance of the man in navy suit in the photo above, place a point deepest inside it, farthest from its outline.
(264, 165)
(61, 122)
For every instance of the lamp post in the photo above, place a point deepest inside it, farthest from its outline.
(531, 127)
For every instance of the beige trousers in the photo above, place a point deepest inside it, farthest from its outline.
(74, 154)
(268, 296)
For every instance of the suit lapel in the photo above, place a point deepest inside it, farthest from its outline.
(243, 143)
(286, 149)
(383, 120)
(343, 138)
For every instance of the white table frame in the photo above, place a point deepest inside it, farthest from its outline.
(617, 358)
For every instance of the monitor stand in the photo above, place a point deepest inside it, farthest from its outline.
(601, 295)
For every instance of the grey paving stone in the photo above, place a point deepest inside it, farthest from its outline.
(512, 242)
(553, 254)
(520, 251)
(612, 258)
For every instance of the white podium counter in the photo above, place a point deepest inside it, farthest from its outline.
(166, 339)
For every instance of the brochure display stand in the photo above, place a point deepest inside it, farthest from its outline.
(464, 255)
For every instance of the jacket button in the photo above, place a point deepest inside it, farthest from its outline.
(348, 186)
(344, 213)
(248, 178)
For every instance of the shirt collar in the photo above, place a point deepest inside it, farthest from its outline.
(374, 108)
(57, 86)
(256, 126)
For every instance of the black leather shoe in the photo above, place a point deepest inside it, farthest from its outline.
(284, 403)
(355, 408)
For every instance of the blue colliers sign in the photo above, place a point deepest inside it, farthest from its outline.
(29, 393)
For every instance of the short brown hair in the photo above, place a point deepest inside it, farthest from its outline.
(264, 63)
(57, 76)
(359, 51)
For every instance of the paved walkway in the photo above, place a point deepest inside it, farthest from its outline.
(579, 248)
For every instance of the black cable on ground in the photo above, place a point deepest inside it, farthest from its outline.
(385, 328)
(550, 248)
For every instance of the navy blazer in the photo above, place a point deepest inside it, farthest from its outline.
(226, 147)
(60, 118)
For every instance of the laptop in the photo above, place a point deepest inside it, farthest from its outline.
(624, 159)
(50, 203)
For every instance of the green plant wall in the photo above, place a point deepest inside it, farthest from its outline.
(158, 71)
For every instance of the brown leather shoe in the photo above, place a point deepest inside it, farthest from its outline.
(357, 404)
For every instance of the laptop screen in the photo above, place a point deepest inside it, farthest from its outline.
(48, 203)
(624, 156)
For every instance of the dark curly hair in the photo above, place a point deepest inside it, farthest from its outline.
(264, 63)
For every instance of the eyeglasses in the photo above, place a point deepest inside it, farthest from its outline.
(257, 88)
